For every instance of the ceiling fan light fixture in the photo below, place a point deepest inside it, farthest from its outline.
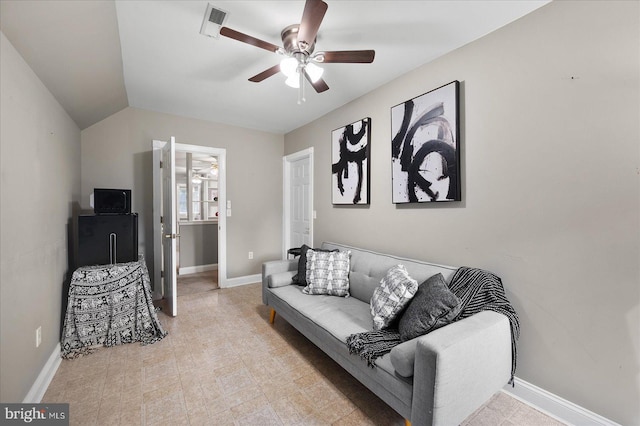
(313, 71)
(289, 67)
(293, 81)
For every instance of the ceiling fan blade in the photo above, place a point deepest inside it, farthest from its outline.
(312, 16)
(320, 85)
(348, 56)
(265, 74)
(237, 35)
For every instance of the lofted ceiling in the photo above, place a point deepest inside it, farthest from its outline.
(98, 57)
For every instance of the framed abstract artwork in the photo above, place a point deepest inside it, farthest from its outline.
(350, 172)
(425, 147)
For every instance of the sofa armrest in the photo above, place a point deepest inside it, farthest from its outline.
(275, 267)
(459, 367)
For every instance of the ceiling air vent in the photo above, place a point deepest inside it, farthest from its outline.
(212, 22)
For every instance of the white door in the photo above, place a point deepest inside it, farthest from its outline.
(300, 203)
(298, 200)
(169, 227)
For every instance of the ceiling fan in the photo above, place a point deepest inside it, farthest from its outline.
(300, 61)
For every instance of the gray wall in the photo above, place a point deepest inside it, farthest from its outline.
(40, 154)
(116, 152)
(551, 194)
(198, 244)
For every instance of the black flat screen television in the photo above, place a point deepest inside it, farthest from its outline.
(111, 201)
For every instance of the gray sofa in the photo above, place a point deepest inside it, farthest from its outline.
(436, 379)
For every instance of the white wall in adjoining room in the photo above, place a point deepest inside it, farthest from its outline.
(550, 108)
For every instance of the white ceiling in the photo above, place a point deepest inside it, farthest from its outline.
(97, 57)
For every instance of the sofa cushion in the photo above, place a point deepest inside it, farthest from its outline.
(327, 273)
(433, 306)
(280, 279)
(390, 298)
(339, 316)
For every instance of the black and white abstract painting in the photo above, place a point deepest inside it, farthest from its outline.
(350, 149)
(425, 147)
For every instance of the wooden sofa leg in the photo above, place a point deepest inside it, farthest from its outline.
(407, 422)
(272, 316)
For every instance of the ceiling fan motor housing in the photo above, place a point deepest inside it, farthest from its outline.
(290, 41)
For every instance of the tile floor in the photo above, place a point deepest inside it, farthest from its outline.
(222, 363)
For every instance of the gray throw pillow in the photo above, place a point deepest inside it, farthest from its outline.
(432, 307)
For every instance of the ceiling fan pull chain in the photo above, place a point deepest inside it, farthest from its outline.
(301, 97)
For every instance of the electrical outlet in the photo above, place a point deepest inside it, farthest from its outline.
(38, 336)
(250, 255)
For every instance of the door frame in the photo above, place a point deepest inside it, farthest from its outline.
(221, 154)
(286, 196)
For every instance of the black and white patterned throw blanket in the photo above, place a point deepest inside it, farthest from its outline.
(109, 305)
(373, 344)
(478, 290)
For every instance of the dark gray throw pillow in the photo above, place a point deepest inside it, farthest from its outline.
(432, 307)
(301, 277)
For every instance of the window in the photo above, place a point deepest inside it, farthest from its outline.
(182, 201)
(196, 189)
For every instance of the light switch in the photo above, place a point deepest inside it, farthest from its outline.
(228, 204)
(228, 212)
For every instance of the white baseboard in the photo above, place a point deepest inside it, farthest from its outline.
(247, 279)
(198, 268)
(39, 387)
(555, 406)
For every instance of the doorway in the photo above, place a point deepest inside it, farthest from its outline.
(208, 209)
(298, 200)
(197, 211)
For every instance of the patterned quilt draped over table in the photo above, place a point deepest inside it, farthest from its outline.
(109, 305)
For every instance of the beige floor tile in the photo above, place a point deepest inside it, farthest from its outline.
(355, 418)
(250, 407)
(222, 418)
(167, 409)
(235, 381)
(198, 416)
(286, 411)
(265, 416)
(131, 415)
(524, 415)
(242, 396)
